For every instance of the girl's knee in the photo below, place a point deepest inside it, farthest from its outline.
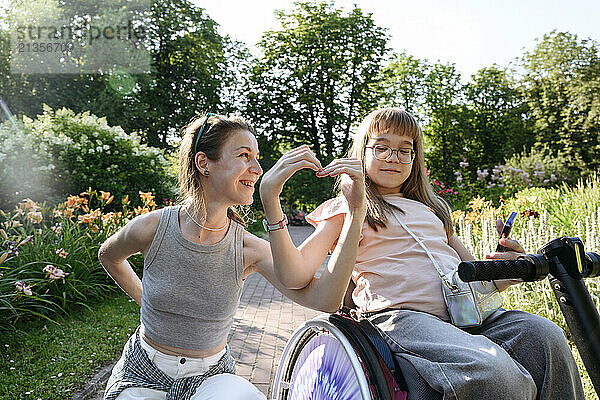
(497, 375)
(545, 334)
(227, 386)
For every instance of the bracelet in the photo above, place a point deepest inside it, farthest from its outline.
(276, 226)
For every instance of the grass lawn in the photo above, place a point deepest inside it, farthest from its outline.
(42, 360)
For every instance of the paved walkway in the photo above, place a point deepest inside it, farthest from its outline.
(263, 323)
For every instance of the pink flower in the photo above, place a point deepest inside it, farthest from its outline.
(21, 287)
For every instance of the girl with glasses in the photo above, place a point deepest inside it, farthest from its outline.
(511, 355)
(196, 256)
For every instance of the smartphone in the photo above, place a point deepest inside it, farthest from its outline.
(506, 230)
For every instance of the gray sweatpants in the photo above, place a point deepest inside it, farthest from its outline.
(513, 355)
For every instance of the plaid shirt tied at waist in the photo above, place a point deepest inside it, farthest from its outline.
(135, 369)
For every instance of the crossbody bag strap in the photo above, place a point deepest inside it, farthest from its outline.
(420, 242)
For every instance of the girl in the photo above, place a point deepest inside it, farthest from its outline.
(196, 255)
(513, 355)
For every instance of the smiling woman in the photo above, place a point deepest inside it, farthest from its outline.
(196, 256)
(193, 271)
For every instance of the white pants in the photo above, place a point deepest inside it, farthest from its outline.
(220, 386)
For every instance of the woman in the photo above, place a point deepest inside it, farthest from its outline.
(196, 255)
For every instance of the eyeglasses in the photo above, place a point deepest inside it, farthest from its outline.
(384, 153)
(203, 127)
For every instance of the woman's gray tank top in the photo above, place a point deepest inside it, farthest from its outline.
(190, 292)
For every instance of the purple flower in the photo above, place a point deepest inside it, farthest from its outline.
(463, 164)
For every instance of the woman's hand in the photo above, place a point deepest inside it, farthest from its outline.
(515, 247)
(291, 162)
(353, 180)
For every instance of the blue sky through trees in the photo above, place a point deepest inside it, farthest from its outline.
(470, 33)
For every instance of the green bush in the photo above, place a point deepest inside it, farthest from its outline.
(61, 152)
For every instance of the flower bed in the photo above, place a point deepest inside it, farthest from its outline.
(48, 257)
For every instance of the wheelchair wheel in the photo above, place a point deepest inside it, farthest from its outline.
(325, 359)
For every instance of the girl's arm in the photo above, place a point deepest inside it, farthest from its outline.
(515, 250)
(463, 252)
(465, 255)
(134, 237)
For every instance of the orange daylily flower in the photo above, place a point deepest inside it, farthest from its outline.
(35, 216)
(140, 210)
(104, 195)
(28, 204)
(61, 253)
(146, 196)
(477, 203)
(84, 219)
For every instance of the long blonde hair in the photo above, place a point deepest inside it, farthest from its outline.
(217, 130)
(417, 186)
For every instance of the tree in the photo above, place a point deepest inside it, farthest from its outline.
(191, 68)
(560, 84)
(403, 84)
(444, 125)
(497, 125)
(314, 79)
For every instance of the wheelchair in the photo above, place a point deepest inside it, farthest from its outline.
(341, 357)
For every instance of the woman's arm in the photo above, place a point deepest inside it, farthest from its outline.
(326, 292)
(134, 237)
(295, 267)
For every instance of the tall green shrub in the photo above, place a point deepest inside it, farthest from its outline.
(61, 152)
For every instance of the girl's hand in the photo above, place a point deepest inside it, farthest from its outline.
(353, 180)
(292, 161)
(515, 247)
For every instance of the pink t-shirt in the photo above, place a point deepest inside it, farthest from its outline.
(391, 269)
